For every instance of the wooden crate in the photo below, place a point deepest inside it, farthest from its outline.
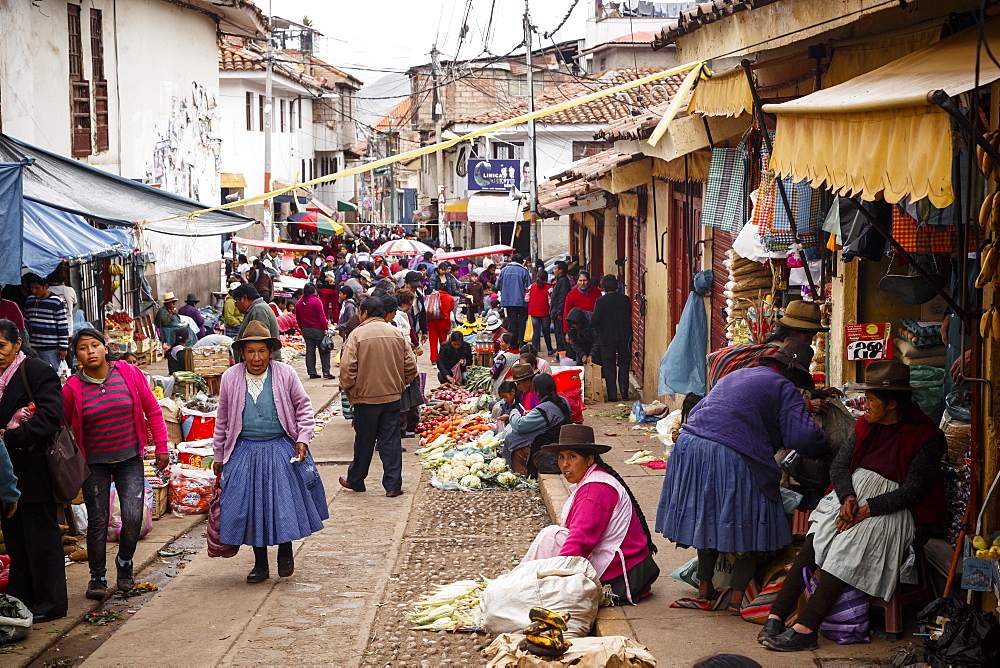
(207, 361)
(161, 501)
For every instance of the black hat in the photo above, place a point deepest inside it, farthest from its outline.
(413, 278)
(192, 299)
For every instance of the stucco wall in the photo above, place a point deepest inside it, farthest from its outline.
(659, 328)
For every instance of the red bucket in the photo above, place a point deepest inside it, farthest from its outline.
(568, 379)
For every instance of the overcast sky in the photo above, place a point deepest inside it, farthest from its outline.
(397, 34)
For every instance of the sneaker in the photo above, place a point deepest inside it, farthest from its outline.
(125, 581)
(97, 589)
(792, 641)
(772, 627)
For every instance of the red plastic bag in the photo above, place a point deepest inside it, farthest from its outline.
(4, 572)
(201, 428)
(576, 404)
(217, 548)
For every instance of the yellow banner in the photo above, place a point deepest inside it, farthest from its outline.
(432, 148)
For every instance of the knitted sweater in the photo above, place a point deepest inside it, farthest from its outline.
(47, 323)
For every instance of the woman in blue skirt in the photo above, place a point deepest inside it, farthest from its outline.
(271, 491)
(720, 492)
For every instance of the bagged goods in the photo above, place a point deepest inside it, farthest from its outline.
(191, 489)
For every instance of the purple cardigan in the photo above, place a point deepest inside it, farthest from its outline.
(147, 416)
(295, 411)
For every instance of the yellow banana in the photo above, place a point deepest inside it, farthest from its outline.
(995, 333)
(986, 323)
(986, 210)
(549, 617)
(989, 261)
(549, 642)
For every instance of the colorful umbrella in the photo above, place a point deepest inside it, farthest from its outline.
(316, 222)
(403, 247)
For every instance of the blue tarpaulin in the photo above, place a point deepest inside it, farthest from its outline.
(10, 222)
(682, 368)
(52, 236)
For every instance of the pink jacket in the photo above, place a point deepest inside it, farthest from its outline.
(588, 519)
(294, 408)
(146, 413)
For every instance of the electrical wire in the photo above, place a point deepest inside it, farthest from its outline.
(563, 22)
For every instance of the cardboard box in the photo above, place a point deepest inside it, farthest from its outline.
(161, 501)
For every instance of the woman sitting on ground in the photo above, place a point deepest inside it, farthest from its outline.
(601, 520)
(721, 488)
(503, 362)
(886, 488)
(539, 426)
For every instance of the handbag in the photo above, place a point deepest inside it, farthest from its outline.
(216, 548)
(811, 473)
(67, 464)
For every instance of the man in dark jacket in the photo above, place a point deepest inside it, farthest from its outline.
(583, 341)
(612, 320)
(557, 302)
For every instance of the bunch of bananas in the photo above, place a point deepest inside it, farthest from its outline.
(544, 636)
(116, 269)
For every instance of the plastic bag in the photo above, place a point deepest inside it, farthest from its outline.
(198, 454)
(216, 548)
(198, 427)
(847, 621)
(326, 343)
(928, 382)
(688, 573)
(63, 372)
(115, 517)
(564, 585)
(576, 404)
(960, 635)
(4, 572)
(957, 405)
(14, 628)
(191, 489)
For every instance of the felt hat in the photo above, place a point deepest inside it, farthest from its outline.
(192, 298)
(794, 352)
(522, 371)
(492, 322)
(890, 375)
(577, 437)
(365, 274)
(257, 331)
(803, 315)
(169, 297)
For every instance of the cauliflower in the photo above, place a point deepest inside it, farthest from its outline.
(471, 482)
(458, 459)
(475, 458)
(477, 467)
(498, 465)
(507, 479)
(444, 470)
(459, 472)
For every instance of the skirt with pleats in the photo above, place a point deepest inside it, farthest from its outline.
(265, 499)
(710, 500)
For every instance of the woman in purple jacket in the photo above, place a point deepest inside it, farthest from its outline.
(271, 491)
(720, 492)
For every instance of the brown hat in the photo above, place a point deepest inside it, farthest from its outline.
(803, 315)
(795, 353)
(522, 371)
(578, 437)
(887, 375)
(257, 331)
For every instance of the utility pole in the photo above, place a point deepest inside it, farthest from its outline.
(533, 173)
(392, 182)
(268, 111)
(436, 113)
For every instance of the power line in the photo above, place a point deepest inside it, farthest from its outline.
(563, 22)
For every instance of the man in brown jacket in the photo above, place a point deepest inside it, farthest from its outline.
(376, 365)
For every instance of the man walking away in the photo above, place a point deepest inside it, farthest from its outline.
(250, 304)
(513, 283)
(47, 322)
(612, 319)
(376, 365)
(312, 319)
(557, 303)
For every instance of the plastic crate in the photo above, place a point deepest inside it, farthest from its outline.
(978, 574)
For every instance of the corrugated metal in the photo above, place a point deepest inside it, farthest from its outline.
(722, 241)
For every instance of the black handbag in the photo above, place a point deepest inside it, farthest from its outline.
(811, 473)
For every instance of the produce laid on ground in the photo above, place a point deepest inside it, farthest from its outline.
(478, 378)
(641, 457)
(451, 607)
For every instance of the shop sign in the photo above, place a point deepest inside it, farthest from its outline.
(497, 175)
(868, 342)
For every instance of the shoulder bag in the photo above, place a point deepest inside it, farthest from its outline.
(67, 464)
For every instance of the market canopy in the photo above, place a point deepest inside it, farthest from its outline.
(62, 183)
(52, 236)
(264, 243)
(474, 252)
(905, 140)
(494, 208)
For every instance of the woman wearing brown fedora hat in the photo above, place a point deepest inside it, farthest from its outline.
(887, 489)
(530, 430)
(601, 520)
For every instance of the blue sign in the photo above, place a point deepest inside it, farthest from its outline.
(494, 175)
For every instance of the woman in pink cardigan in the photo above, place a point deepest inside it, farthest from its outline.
(271, 491)
(114, 416)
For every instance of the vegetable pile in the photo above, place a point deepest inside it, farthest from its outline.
(449, 608)
(462, 452)
(477, 378)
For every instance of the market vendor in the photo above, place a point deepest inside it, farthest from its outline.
(167, 319)
(232, 317)
(190, 309)
(535, 428)
(175, 356)
(887, 493)
(584, 343)
(271, 491)
(504, 361)
(453, 359)
(601, 520)
(523, 373)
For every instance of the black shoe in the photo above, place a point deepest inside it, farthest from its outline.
(343, 483)
(792, 641)
(258, 575)
(328, 376)
(41, 619)
(286, 566)
(125, 582)
(314, 375)
(772, 627)
(97, 589)
(393, 494)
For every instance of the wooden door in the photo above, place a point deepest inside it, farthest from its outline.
(683, 245)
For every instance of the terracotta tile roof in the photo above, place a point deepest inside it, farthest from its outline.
(235, 56)
(597, 165)
(634, 127)
(702, 14)
(238, 55)
(577, 180)
(563, 193)
(323, 69)
(600, 111)
(398, 116)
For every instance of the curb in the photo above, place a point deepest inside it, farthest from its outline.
(610, 621)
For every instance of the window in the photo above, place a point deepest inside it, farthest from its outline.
(260, 107)
(291, 115)
(79, 88)
(281, 117)
(100, 84)
(507, 150)
(585, 149)
(517, 85)
(249, 111)
(300, 114)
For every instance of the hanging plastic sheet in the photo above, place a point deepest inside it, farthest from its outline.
(52, 236)
(10, 222)
(682, 368)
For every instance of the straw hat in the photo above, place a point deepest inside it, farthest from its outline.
(803, 315)
(257, 331)
(577, 437)
(169, 297)
(492, 322)
(887, 375)
(522, 371)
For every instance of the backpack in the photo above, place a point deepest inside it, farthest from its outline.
(432, 303)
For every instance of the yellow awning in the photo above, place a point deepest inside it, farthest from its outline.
(852, 59)
(461, 206)
(877, 134)
(725, 94)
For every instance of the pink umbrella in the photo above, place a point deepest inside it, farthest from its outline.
(403, 247)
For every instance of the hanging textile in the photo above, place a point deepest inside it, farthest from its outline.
(11, 221)
(682, 368)
(725, 202)
(915, 239)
